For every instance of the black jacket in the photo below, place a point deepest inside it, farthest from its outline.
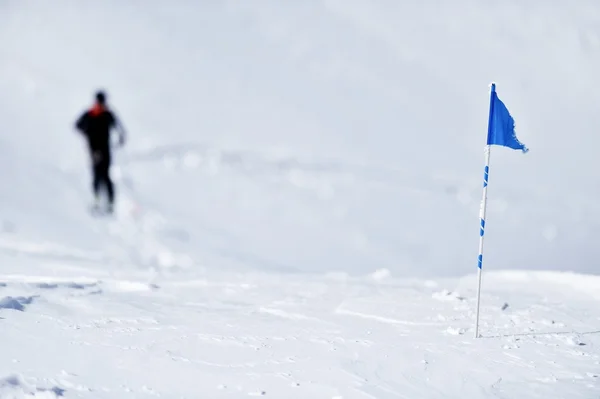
(95, 124)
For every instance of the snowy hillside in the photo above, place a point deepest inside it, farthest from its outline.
(297, 202)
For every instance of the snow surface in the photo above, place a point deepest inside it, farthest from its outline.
(298, 200)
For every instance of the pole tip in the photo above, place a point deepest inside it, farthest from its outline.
(493, 86)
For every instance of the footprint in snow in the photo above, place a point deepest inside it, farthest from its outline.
(15, 303)
(259, 393)
(15, 386)
(72, 285)
(446, 295)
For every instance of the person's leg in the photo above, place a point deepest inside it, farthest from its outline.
(97, 177)
(110, 190)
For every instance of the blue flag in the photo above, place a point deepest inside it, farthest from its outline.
(501, 127)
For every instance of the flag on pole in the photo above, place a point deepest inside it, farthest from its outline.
(501, 131)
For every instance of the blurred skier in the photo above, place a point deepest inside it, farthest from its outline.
(96, 124)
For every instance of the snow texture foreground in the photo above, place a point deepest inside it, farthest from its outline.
(328, 336)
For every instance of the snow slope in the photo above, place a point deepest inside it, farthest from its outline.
(319, 337)
(298, 200)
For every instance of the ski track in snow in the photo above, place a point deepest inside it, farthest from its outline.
(310, 174)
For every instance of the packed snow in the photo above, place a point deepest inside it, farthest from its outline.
(297, 204)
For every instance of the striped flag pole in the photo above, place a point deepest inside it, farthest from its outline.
(501, 131)
(481, 233)
(483, 208)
